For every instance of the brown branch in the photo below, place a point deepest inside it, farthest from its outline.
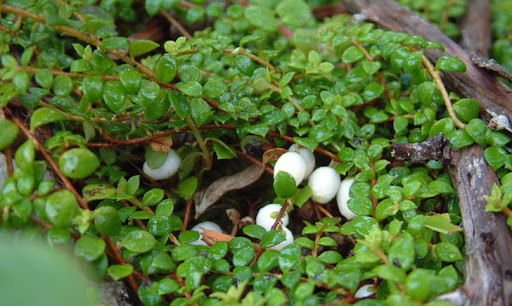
(121, 261)
(175, 23)
(476, 27)
(488, 267)
(487, 235)
(187, 214)
(475, 83)
(434, 148)
(329, 10)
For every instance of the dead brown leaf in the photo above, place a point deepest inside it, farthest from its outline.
(162, 145)
(273, 154)
(233, 182)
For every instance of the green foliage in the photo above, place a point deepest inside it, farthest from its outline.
(259, 78)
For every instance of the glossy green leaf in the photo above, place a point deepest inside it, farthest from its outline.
(10, 132)
(78, 163)
(284, 184)
(267, 261)
(301, 196)
(330, 257)
(450, 63)
(166, 69)
(45, 115)
(390, 273)
(261, 17)
(244, 64)
(21, 81)
(425, 92)
(200, 111)
(131, 80)
(447, 252)
(476, 129)
(360, 205)
(114, 95)
(163, 262)
(118, 272)
(460, 139)
(218, 250)
(25, 155)
(467, 109)
(45, 78)
(441, 223)
(272, 238)
(62, 85)
(93, 192)
(107, 220)
(495, 157)
(153, 197)
(214, 89)
(188, 236)
(61, 208)
(165, 208)
(7, 92)
(418, 284)
(159, 225)
(188, 186)
(254, 231)
(115, 43)
(402, 252)
(139, 241)
(191, 88)
(179, 103)
(351, 55)
(194, 264)
(140, 47)
(152, 6)
(496, 139)
(183, 252)
(90, 247)
(26, 56)
(92, 87)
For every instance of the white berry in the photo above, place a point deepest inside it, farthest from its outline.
(324, 183)
(308, 156)
(288, 240)
(364, 291)
(267, 216)
(293, 163)
(200, 227)
(342, 198)
(166, 170)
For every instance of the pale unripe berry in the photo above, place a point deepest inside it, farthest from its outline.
(288, 240)
(293, 163)
(207, 225)
(308, 156)
(342, 198)
(267, 216)
(324, 183)
(364, 291)
(166, 170)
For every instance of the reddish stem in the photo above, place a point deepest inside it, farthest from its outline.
(49, 159)
(286, 31)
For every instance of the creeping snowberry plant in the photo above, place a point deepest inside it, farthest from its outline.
(128, 143)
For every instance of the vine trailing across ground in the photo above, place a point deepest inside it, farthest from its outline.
(119, 136)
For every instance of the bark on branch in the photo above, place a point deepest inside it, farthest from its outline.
(488, 279)
(476, 83)
(488, 240)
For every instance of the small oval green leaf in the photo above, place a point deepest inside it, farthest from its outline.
(78, 163)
